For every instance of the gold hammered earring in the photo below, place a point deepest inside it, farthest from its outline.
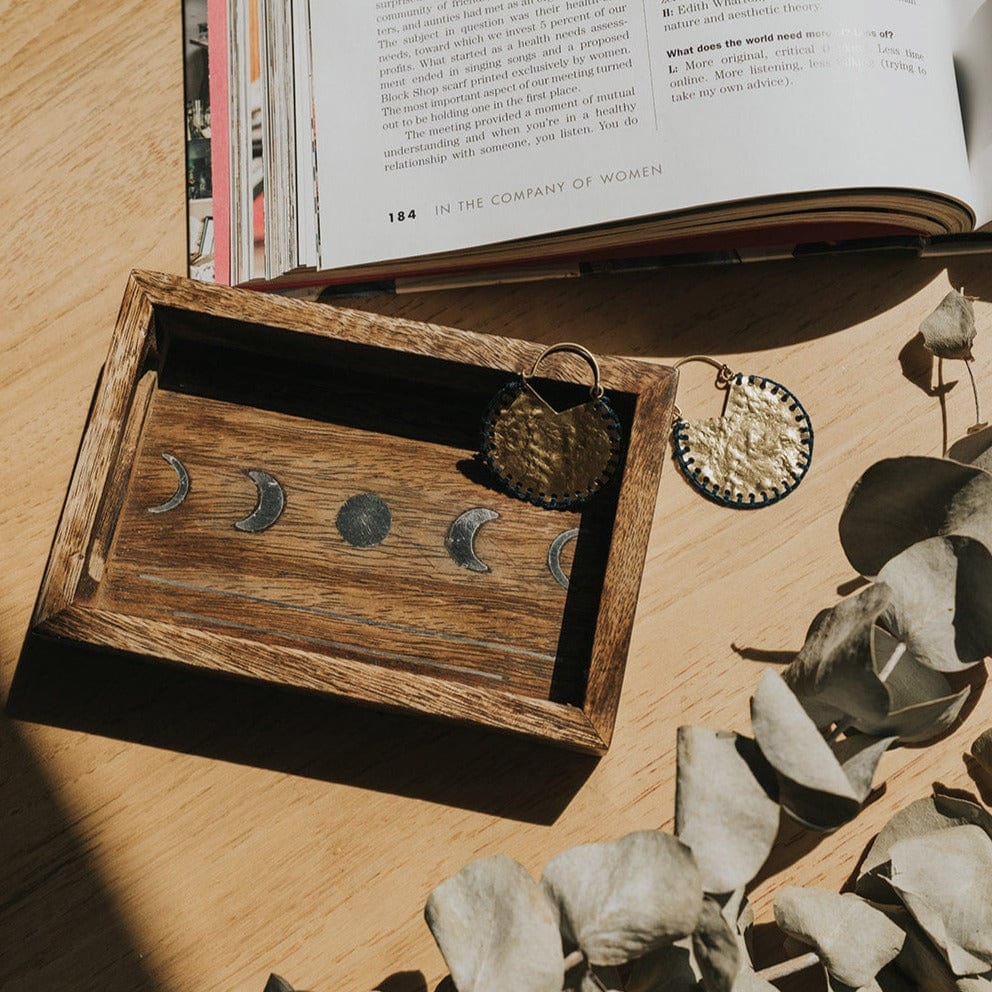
(756, 452)
(557, 459)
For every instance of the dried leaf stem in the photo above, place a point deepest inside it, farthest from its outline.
(574, 960)
(837, 733)
(595, 979)
(974, 389)
(890, 665)
(791, 967)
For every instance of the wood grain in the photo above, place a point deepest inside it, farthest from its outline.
(169, 835)
(98, 452)
(311, 579)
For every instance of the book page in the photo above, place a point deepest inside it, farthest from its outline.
(973, 61)
(306, 214)
(443, 124)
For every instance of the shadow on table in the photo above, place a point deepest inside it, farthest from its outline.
(403, 981)
(693, 310)
(792, 844)
(164, 706)
(973, 275)
(60, 928)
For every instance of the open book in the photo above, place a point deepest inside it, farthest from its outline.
(395, 138)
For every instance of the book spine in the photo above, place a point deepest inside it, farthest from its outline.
(949, 245)
(220, 158)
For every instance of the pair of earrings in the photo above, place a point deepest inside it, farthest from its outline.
(754, 455)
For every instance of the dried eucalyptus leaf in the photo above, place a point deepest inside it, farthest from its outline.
(921, 703)
(739, 916)
(901, 501)
(854, 673)
(921, 818)
(833, 985)
(940, 604)
(974, 449)
(950, 330)
(714, 945)
(668, 969)
(675, 968)
(922, 963)
(724, 806)
(833, 676)
(790, 741)
(960, 811)
(858, 758)
(945, 881)
(743, 920)
(589, 979)
(496, 929)
(975, 983)
(817, 787)
(981, 750)
(597, 979)
(737, 911)
(748, 981)
(891, 979)
(621, 899)
(853, 939)
(816, 810)
(915, 820)
(919, 959)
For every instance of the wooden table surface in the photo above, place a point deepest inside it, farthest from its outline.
(174, 833)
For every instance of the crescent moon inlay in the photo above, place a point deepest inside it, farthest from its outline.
(182, 486)
(271, 500)
(554, 555)
(460, 541)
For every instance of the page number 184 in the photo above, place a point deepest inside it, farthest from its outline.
(402, 215)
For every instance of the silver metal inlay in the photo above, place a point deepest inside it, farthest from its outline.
(460, 541)
(268, 509)
(554, 555)
(182, 486)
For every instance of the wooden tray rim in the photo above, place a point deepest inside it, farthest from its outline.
(133, 344)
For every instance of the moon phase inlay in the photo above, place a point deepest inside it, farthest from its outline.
(364, 520)
(268, 509)
(182, 486)
(460, 540)
(554, 555)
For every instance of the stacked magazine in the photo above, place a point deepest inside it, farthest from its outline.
(358, 140)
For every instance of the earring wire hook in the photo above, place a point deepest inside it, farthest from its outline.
(575, 349)
(724, 374)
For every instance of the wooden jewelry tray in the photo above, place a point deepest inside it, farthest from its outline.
(238, 388)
